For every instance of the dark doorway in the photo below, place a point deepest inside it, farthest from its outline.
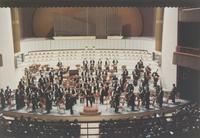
(188, 83)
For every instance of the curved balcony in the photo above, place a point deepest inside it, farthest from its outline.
(187, 57)
(194, 51)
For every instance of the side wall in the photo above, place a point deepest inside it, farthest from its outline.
(7, 71)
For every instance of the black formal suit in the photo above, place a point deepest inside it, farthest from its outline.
(117, 101)
(103, 92)
(67, 101)
(92, 62)
(17, 100)
(130, 87)
(132, 101)
(60, 76)
(48, 98)
(115, 62)
(160, 98)
(34, 101)
(89, 97)
(2, 98)
(51, 76)
(147, 99)
(173, 94)
(71, 103)
(42, 81)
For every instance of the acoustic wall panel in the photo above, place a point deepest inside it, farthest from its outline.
(100, 22)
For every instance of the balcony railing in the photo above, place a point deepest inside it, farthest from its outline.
(195, 51)
(187, 57)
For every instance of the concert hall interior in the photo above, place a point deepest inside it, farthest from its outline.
(99, 72)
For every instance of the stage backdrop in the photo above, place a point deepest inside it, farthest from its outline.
(100, 22)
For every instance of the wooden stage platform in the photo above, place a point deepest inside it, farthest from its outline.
(99, 117)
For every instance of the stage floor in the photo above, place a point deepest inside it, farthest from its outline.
(106, 112)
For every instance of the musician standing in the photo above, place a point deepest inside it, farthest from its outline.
(85, 64)
(21, 98)
(140, 64)
(155, 77)
(117, 101)
(60, 76)
(130, 87)
(49, 100)
(119, 89)
(125, 73)
(41, 81)
(160, 97)
(59, 64)
(28, 95)
(8, 95)
(107, 64)
(173, 93)
(114, 85)
(2, 98)
(92, 62)
(103, 91)
(34, 98)
(99, 64)
(67, 101)
(142, 94)
(71, 103)
(89, 97)
(124, 77)
(132, 101)
(17, 99)
(147, 98)
(115, 62)
(21, 84)
(51, 76)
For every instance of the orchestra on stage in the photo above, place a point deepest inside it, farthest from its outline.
(93, 82)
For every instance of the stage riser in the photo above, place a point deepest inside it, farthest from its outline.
(134, 43)
(67, 55)
(86, 118)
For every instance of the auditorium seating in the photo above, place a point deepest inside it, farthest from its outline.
(183, 123)
(35, 128)
(186, 121)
